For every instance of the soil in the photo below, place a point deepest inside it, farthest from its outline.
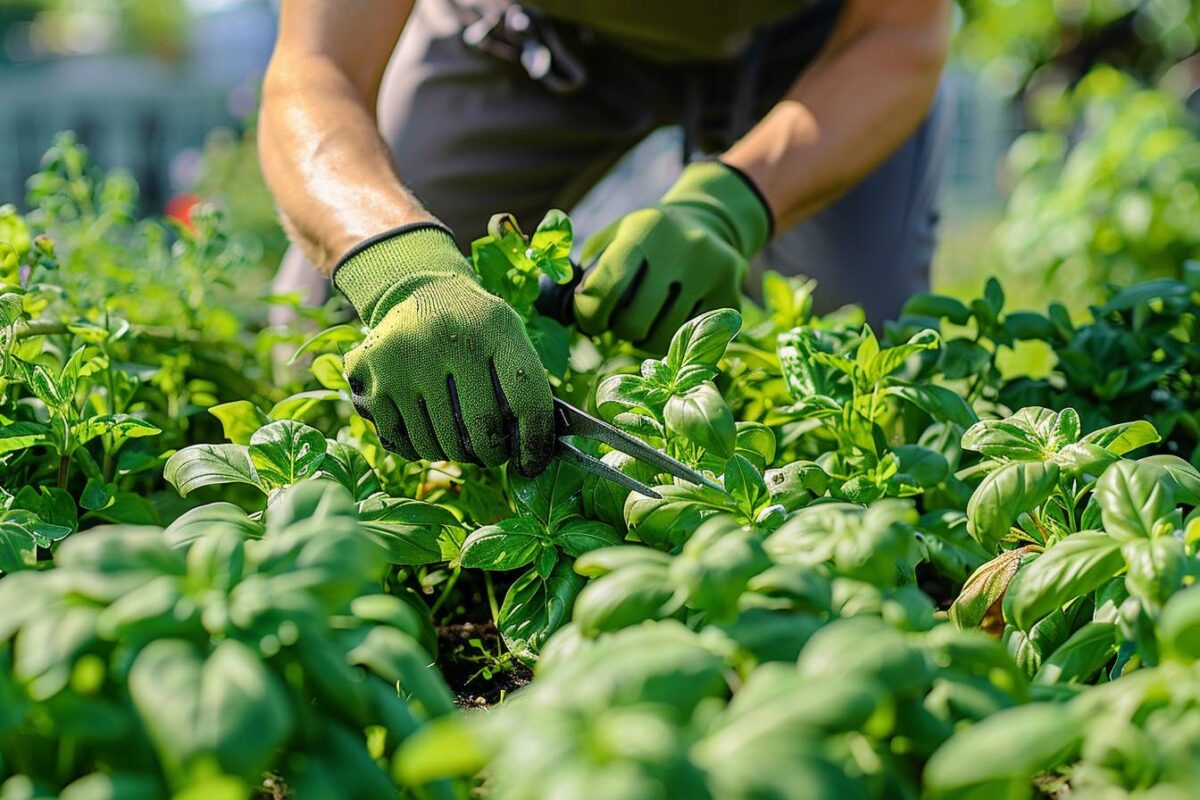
(462, 665)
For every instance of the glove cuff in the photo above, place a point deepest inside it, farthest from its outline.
(732, 196)
(373, 274)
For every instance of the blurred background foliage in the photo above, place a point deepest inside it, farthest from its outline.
(1075, 159)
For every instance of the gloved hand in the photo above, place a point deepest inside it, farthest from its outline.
(651, 271)
(447, 370)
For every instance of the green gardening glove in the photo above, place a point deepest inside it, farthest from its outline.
(656, 268)
(447, 370)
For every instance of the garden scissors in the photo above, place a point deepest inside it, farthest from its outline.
(570, 421)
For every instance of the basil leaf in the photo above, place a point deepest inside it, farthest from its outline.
(1132, 496)
(1007, 493)
(509, 544)
(1071, 568)
(285, 452)
(703, 340)
(535, 607)
(577, 536)
(701, 416)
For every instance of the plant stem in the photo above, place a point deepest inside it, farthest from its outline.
(64, 468)
(491, 596)
(453, 579)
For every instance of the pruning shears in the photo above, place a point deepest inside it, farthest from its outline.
(571, 421)
(554, 300)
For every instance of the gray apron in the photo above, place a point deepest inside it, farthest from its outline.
(488, 108)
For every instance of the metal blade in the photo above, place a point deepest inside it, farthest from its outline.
(574, 422)
(573, 455)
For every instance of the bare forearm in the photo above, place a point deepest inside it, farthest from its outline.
(330, 172)
(855, 106)
(320, 149)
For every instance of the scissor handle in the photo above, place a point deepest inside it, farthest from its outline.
(556, 300)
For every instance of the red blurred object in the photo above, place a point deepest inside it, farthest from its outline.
(180, 207)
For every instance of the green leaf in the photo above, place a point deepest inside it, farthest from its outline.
(1029, 325)
(756, 442)
(300, 405)
(21, 435)
(1179, 625)
(1184, 477)
(227, 707)
(1157, 569)
(46, 388)
(338, 339)
(865, 647)
(1073, 567)
(208, 465)
(285, 452)
(18, 550)
(630, 595)
(716, 564)
(610, 559)
(921, 466)
(509, 544)
(551, 496)
(887, 361)
(535, 607)
(239, 419)
(350, 468)
(51, 506)
(10, 308)
(618, 393)
(398, 659)
(937, 306)
(796, 484)
(703, 340)
(576, 536)
(1007, 493)
(938, 402)
(1022, 437)
(1124, 437)
(97, 494)
(745, 485)
(1079, 658)
(551, 245)
(507, 235)
(552, 342)
(701, 416)
(1132, 496)
(667, 522)
(999, 756)
(409, 529)
(327, 368)
(1084, 458)
(119, 426)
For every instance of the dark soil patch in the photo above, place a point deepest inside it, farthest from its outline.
(463, 664)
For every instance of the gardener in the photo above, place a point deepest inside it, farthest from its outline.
(820, 110)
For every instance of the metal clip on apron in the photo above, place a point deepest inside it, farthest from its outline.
(518, 36)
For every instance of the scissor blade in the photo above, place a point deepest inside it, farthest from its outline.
(573, 422)
(573, 455)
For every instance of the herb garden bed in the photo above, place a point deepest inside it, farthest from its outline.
(925, 576)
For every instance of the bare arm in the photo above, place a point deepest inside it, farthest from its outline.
(330, 172)
(861, 99)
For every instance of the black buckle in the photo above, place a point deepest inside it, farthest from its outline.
(518, 37)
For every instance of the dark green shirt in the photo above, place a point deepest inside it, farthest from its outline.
(673, 30)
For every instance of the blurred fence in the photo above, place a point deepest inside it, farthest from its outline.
(132, 118)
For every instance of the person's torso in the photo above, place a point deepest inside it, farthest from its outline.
(673, 30)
